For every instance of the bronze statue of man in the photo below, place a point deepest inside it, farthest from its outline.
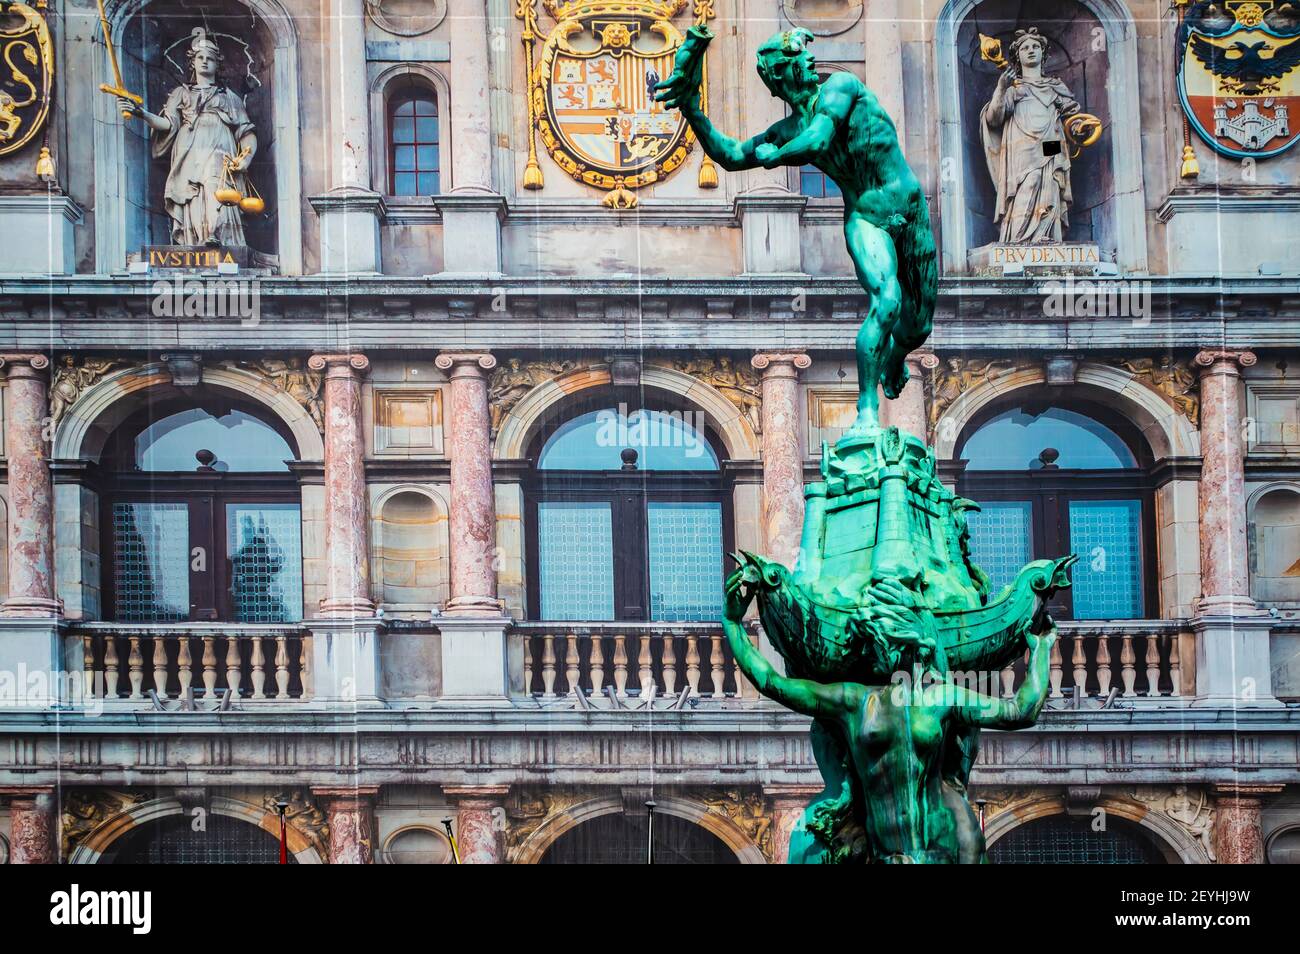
(840, 127)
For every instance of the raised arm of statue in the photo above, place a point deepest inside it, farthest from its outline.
(802, 695)
(986, 712)
(834, 103)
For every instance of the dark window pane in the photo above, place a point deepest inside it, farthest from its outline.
(1107, 535)
(264, 546)
(427, 129)
(810, 184)
(1001, 539)
(403, 130)
(576, 560)
(406, 108)
(685, 544)
(426, 158)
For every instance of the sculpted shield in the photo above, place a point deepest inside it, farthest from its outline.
(1239, 80)
(26, 74)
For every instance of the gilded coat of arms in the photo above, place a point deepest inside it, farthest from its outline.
(1238, 77)
(26, 74)
(591, 93)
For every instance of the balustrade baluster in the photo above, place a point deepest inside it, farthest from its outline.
(528, 664)
(110, 666)
(1079, 664)
(135, 667)
(184, 672)
(1008, 682)
(257, 666)
(282, 667)
(572, 671)
(716, 666)
(233, 664)
(1055, 669)
(160, 666)
(1103, 665)
(620, 665)
(1127, 670)
(1153, 665)
(596, 664)
(548, 665)
(645, 672)
(88, 665)
(1175, 669)
(668, 658)
(693, 663)
(209, 667)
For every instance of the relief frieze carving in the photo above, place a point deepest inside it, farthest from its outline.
(294, 377)
(73, 377)
(738, 382)
(953, 377)
(514, 378)
(1173, 378)
(84, 810)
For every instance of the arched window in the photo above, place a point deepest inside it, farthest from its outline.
(201, 515)
(175, 841)
(1054, 480)
(625, 840)
(413, 142)
(1065, 840)
(627, 516)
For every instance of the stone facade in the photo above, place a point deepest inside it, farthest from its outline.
(417, 353)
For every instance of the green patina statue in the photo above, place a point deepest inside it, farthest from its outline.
(887, 628)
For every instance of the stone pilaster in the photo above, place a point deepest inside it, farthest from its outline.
(472, 517)
(31, 493)
(1238, 837)
(907, 412)
(477, 809)
(472, 209)
(782, 456)
(350, 212)
(788, 803)
(347, 588)
(351, 816)
(1232, 635)
(31, 823)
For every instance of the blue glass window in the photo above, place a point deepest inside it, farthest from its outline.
(1106, 534)
(239, 441)
(663, 440)
(264, 544)
(1001, 540)
(151, 562)
(576, 560)
(685, 561)
(1014, 440)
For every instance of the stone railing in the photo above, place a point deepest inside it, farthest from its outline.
(1112, 659)
(642, 660)
(210, 660)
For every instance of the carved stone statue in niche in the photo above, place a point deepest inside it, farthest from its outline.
(1024, 133)
(205, 132)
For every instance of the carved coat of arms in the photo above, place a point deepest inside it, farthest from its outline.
(591, 100)
(26, 74)
(1239, 76)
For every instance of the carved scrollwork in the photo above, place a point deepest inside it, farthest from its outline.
(748, 811)
(515, 378)
(72, 377)
(952, 377)
(526, 812)
(303, 815)
(1193, 811)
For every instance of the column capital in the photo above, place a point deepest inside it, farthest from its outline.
(1252, 793)
(25, 365)
(355, 793)
(339, 365)
(476, 796)
(1223, 361)
(780, 363)
(465, 363)
(923, 360)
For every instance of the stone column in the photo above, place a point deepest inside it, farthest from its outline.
(350, 812)
(1225, 579)
(31, 494)
(788, 803)
(31, 820)
(1238, 838)
(350, 212)
(472, 209)
(782, 457)
(478, 809)
(347, 590)
(472, 516)
(907, 413)
(1232, 635)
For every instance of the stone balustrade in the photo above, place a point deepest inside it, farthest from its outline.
(257, 663)
(639, 660)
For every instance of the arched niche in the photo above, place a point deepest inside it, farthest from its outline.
(1094, 50)
(129, 183)
(410, 551)
(1273, 513)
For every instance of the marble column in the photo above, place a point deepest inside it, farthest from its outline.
(782, 456)
(788, 803)
(347, 588)
(350, 812)
(1225, 578)
(472, 208)
(31, 495)
(31, 821)
(472, 516)
(1238, 837)
(480, 814)
(350, 212)
(907, 412)
(1233, 665)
